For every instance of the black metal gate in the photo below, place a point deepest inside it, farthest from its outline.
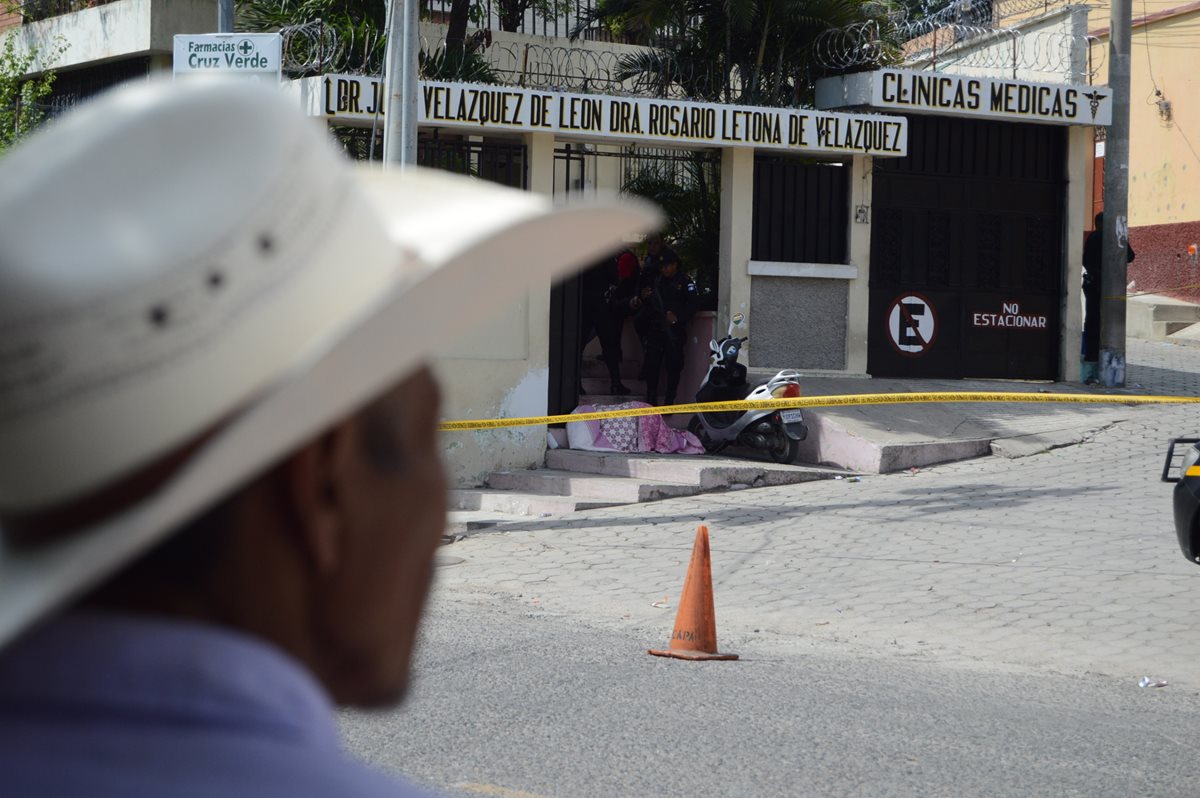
(694, 181)
(967, 252)
(801, 210)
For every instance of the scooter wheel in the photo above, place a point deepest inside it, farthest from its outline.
(784, 450)
(697, 429)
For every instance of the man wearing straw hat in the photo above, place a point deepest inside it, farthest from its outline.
(220, 490)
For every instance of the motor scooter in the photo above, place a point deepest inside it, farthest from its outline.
(777, 432)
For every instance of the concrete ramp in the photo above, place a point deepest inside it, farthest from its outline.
(881, 439)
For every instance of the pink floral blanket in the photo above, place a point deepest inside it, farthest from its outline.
(639, 434)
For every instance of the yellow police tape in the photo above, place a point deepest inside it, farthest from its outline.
(820, 401)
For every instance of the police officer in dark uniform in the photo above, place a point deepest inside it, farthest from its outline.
(657, 253)
(667, 305)
(607, 289)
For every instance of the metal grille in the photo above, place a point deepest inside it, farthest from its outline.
(537, 17)
(74, 86)
(801, 210)
(496, 160)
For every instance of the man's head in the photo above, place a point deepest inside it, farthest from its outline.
(670, 266)
(328, 555)
(180, 344)
(654, 244)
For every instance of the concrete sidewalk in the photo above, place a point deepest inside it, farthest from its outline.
(889, 438)
(1065, 561)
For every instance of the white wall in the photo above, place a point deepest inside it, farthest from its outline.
(118, 30)
(502, 370)
(1046, 49)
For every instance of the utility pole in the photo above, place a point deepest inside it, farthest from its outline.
(400, 113)
(1116, 202)
(224, 16)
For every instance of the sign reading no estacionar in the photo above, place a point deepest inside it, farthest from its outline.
(255, 55)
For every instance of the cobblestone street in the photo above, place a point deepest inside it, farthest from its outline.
(1064, 561)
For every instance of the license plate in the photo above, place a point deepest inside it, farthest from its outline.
(792, 416)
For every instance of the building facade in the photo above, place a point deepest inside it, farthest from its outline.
(921, 222)
(1164, 144)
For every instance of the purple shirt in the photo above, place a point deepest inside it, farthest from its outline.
(100, 704)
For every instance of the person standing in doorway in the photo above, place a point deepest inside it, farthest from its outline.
(662, 323)
(599, 318)
(1093, 264)
(657, 253)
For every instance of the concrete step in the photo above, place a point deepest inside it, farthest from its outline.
(1145, 316)
(843, 440)
(460, 521)
(1162, 329)
(1188, 336)
(515, 503)
(704, 471)
(584, 486)
(1177, 311)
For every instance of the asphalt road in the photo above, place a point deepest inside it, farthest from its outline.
(973, 629)
(512, 700)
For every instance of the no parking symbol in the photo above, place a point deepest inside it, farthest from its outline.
(912, 325)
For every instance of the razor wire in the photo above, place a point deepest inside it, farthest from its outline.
(1006, 49)
(654, 73)
(926, 44)
(310, 48)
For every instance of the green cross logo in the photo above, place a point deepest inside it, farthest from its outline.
(245, 48)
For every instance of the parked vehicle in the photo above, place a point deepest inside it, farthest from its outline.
(1186, 476)
(777, 432)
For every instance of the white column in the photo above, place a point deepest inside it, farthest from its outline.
(539, 152)
(737, 228)
(858, 299)
(1081, 149)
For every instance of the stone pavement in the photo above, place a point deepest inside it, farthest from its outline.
(1063, 561)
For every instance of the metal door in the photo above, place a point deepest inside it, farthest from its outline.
(967, 252)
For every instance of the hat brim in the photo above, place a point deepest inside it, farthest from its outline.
(481, 248)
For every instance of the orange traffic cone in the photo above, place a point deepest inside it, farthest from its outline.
(695, 635)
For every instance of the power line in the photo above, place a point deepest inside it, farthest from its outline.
(1149, 63)
(1188, 141)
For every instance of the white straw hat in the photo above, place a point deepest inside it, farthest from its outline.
(193, 265)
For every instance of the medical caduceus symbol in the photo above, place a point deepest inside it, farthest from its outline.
(1094, 99)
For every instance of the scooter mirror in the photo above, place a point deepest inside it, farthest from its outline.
(737, 319)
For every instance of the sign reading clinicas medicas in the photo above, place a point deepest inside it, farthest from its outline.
(965, 95)
(466, 105)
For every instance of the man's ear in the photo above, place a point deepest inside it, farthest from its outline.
(313, 482)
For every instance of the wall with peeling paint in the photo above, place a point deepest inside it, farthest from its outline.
(502, 370)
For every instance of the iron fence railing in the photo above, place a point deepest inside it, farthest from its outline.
(557, 18)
